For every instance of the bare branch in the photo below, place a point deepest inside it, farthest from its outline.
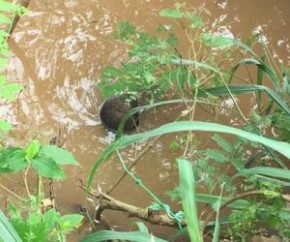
(146, 214)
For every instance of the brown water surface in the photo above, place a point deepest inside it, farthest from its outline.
(58, 52)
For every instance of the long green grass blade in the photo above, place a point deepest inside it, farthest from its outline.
(135, 236)
(7, 232)
(216, 232)
(266, 171)
(197, 64)
(187, 189)
(260, 65)
(272, 180)
(244, 46)
(243, 89)
(181, 126)
(143, 108)
(142, 227)
(260, 75)
(211, 199)
(223, 90)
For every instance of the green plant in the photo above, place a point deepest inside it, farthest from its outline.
(278, 174)
(188, 197)
(47, 226)
(142, 235)
(7, 232)
(45, 160)
(7, 90)
(140, 73)
(240, 169)
(31, 222)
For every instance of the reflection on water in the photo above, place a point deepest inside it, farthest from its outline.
(58, 52)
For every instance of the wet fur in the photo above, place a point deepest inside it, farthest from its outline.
(115, 108)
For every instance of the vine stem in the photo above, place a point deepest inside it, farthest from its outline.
(112, 188)
(137, 180)
(178, 217)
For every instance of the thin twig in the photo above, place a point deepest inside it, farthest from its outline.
(25, 180)
(13, 193)
(134, 163)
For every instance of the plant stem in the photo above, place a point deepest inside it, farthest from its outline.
(13, 193)
(16, 17)
(25, 180)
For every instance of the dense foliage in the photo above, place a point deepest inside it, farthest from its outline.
(246, 173)
(30, 220)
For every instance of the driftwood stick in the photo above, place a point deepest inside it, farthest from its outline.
(146, 214)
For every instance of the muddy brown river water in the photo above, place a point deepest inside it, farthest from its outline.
(58, 51)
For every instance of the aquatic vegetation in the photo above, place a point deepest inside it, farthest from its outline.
(247, 172)
(243, 170)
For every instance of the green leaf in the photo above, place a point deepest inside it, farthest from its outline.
(171, 13)
(125, 30)
(70, 221)
(7, 232)
(217, 40)
(8, 90)
(261, 66)
(196, 20)
(216, 155)
(47, 167)
(60, 156)
(50, 218)
(217, 206)
(272, 180)
(196, 64)
(8, 7)
(223, 143)
(142, 227)
(4, 19)
(32, 228)
(2, 80)
(32, 149)
(187, 189)
(243, 89)
(14, 213)
(3, 61)
(211, 199)
(4, 126)
(12, 160)
(267, 171)
(105, 235)
(181, 126)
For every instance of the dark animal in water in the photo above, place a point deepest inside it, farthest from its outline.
(115, 108)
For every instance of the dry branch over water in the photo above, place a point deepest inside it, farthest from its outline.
(146, 214)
